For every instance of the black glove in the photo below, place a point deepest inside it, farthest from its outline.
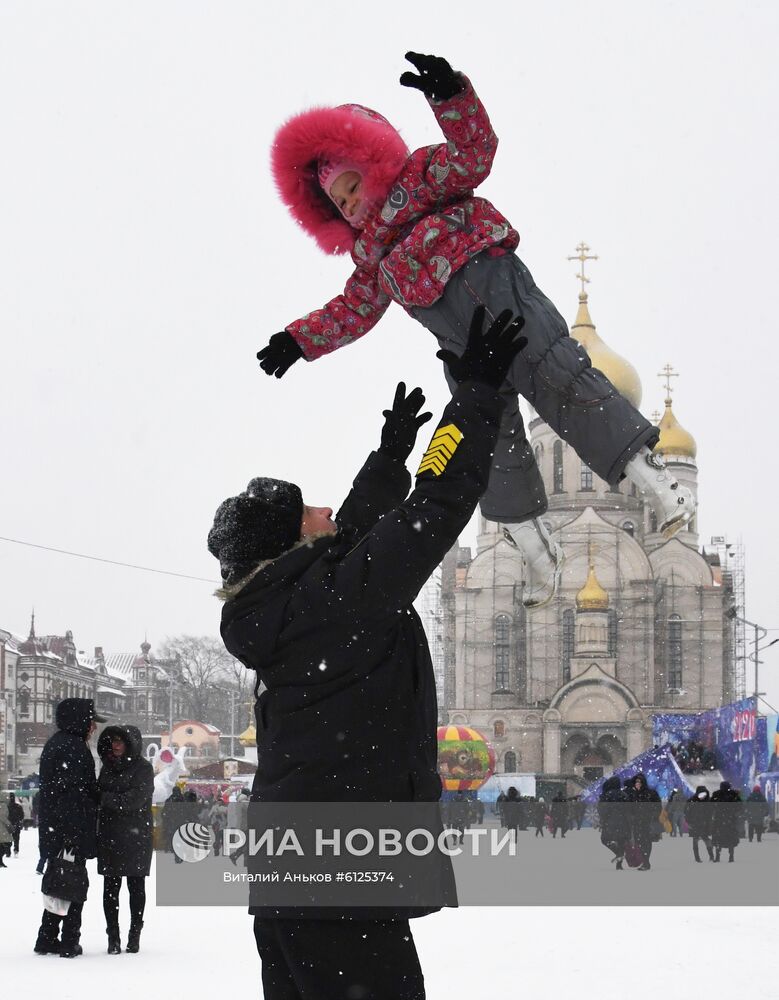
(437, 79)
(402, 423)
(281, 354)
(487, 357)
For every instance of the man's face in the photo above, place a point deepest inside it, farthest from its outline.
(317, 521)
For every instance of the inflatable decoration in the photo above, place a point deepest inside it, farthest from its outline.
(465, 758)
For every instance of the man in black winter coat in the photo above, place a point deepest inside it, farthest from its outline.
(68, 811)
(322, 611)
(613, 818)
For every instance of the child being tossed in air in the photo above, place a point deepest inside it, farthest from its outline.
(419, 236)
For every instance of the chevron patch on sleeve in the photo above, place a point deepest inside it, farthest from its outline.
(440, 450)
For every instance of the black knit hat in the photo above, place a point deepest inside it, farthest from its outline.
(258, 524)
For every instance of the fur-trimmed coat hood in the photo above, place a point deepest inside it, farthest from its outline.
(347, 132)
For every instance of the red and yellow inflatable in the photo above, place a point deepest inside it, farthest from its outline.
(465, 758)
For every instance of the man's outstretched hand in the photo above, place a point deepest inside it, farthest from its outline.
(437, 80)
(487, 356)
(402, 423)
(280, 355)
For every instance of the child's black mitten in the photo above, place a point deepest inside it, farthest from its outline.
(280, 355)
(402, 423)
(487, 357)
(437, 80)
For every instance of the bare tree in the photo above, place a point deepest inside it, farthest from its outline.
(204, 667)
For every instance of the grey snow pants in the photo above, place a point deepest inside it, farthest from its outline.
(553, 373)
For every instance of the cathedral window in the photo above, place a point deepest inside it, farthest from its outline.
(652, 521)
(538, 452)
(502, 652)
(499, 729)
(585, 483)
(566, 648)
(675, 652)
(557, 458)
(510, 762)
(633, 490)
(612, 625)
(629, 528)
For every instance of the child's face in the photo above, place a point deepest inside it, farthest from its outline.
(347, 194)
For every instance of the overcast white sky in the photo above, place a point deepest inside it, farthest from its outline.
(145, 258)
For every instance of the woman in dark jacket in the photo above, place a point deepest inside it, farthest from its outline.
(727, 820)
(124, 839)
(644, 814)
(612, 815)
(697, 812)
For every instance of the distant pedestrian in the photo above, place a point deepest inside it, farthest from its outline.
(644, 815)
(513, 808)
(727, 820)
(538, 815)
(757, 810)
(6, 830)
(675, 810)
(698, 814)
(559, 812)
(16, 815)
(613, 819)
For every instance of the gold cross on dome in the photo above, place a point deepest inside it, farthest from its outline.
(667, 374)
(655, 416)
(583, 256)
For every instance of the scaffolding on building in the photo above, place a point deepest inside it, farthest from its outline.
(731, 556)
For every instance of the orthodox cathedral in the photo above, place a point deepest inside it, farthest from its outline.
(639, 624)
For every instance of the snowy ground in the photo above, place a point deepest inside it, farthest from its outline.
(603, 952)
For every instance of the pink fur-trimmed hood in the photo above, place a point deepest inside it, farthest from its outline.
(348, 132)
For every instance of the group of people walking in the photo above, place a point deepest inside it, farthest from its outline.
(630, 819)
(84, 815)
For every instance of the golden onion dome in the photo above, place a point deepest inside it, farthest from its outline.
(592, 597)
(622, 375)
(674, 439)
(248, 737)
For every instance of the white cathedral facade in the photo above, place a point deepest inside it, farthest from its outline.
(640, 624)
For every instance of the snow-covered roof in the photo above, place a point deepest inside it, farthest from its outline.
(121, 664)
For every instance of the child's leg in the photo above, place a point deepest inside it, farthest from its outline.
(515, 491)
(576, 400)
(553, 372)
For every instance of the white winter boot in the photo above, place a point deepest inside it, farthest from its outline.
(543, 560)
(672, 502)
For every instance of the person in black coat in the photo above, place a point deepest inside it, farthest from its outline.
(16, 819)
(67, 817)
(323, 611)
(613, 819)
(124, 835)
(644, 814)
(559, 814)
(756, 809)
(727, 820)
(698, 815)
(513, 812)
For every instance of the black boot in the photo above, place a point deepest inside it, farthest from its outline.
(114, 943)
(45, 947)
(71, 951)
(134, 937)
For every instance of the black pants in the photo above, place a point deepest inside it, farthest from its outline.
(136, 885)
(707, 844)
(16, 831)
(553, 373)
(338, 960)
(755, 830)
(71, 926)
